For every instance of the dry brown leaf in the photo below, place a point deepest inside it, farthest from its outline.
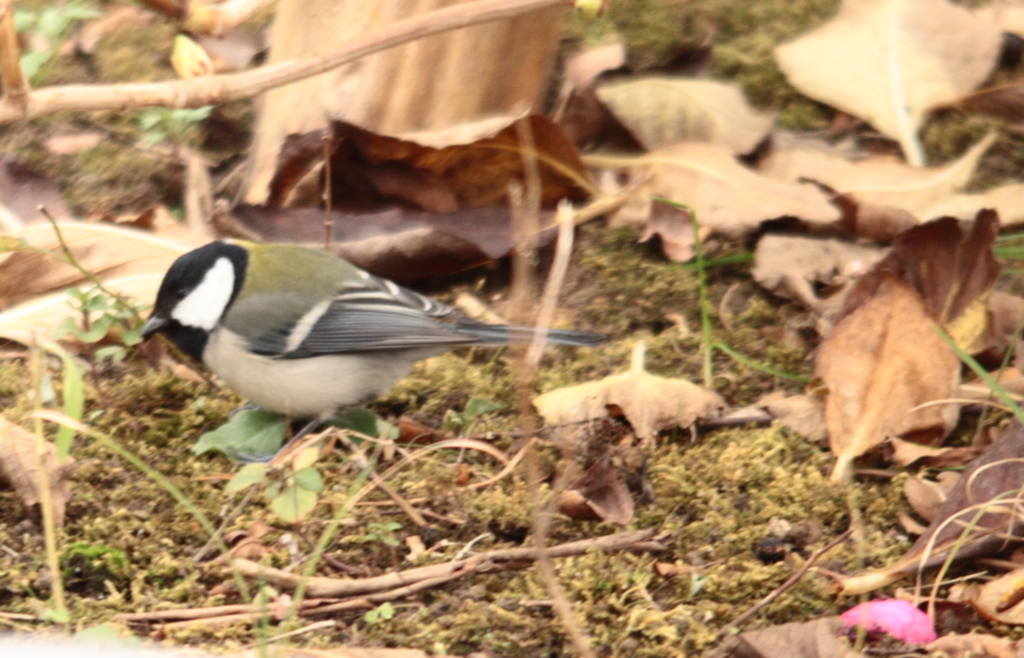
(795, 267)
(403, 246)
(891, 61)
(650, 403)
(881, 182)
(1007, 14)
(1003, 102)
(812, 639)
(1002, 600)
(429, 171)
(953, 272)
(864, 364)
(673, 226)
(600, 494)
(926, 497)
(908, 453)
(19, 467)
(32, 285)
(728, 197)
(804, 414)
(980, 517)
(972, 645)
(21, 194)
(662, 110)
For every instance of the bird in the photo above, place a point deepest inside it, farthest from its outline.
(305, 334)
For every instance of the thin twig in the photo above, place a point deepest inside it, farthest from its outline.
(525, 207)
(322, 587)
(215, 89)
(45, 497)
(69, 259)
(778, 591)
(556, 277)
(328, 203)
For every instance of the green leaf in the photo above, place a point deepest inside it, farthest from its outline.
(150, 118)
(97, 330)
(384, 611)
(293, 503)
(131, 337)
(359, 419)
(67, 326)
(479, 406)
(31, 63)
(115, 353)
(247, 476)
(272, 490)
(309, 479)
(56, 616)
(247, 433)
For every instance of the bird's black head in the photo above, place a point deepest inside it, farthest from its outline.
(195, 293)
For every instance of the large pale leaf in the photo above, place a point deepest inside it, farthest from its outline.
(924, 193)
(32, 284)
(662, 110)
(890, 61)
(728, 197)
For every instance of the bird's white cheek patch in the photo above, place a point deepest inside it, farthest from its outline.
(204, 306)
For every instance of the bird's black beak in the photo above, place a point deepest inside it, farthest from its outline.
(153, 325)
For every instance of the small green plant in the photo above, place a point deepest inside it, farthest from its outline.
(461, 421)
(292, 493)
(383, 533)
(48, 28)
(97, 315)
(177, 126)
(383, 612)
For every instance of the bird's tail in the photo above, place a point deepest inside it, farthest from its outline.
(502, 334)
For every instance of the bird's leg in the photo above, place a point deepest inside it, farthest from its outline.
(248, 406)
(307, 429)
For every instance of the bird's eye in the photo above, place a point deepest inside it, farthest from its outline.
(182, 294)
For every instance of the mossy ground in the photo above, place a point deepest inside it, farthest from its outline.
(127, 545)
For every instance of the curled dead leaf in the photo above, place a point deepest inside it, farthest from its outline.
(19, 466)
(650, 403)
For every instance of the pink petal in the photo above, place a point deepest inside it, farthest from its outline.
(899, 619)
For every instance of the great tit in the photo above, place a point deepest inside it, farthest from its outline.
(303, 333)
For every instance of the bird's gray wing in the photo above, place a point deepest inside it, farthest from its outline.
(367, 318)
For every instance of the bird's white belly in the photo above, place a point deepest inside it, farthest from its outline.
(303, 388)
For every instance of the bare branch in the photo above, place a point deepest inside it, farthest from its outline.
(215, 89)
